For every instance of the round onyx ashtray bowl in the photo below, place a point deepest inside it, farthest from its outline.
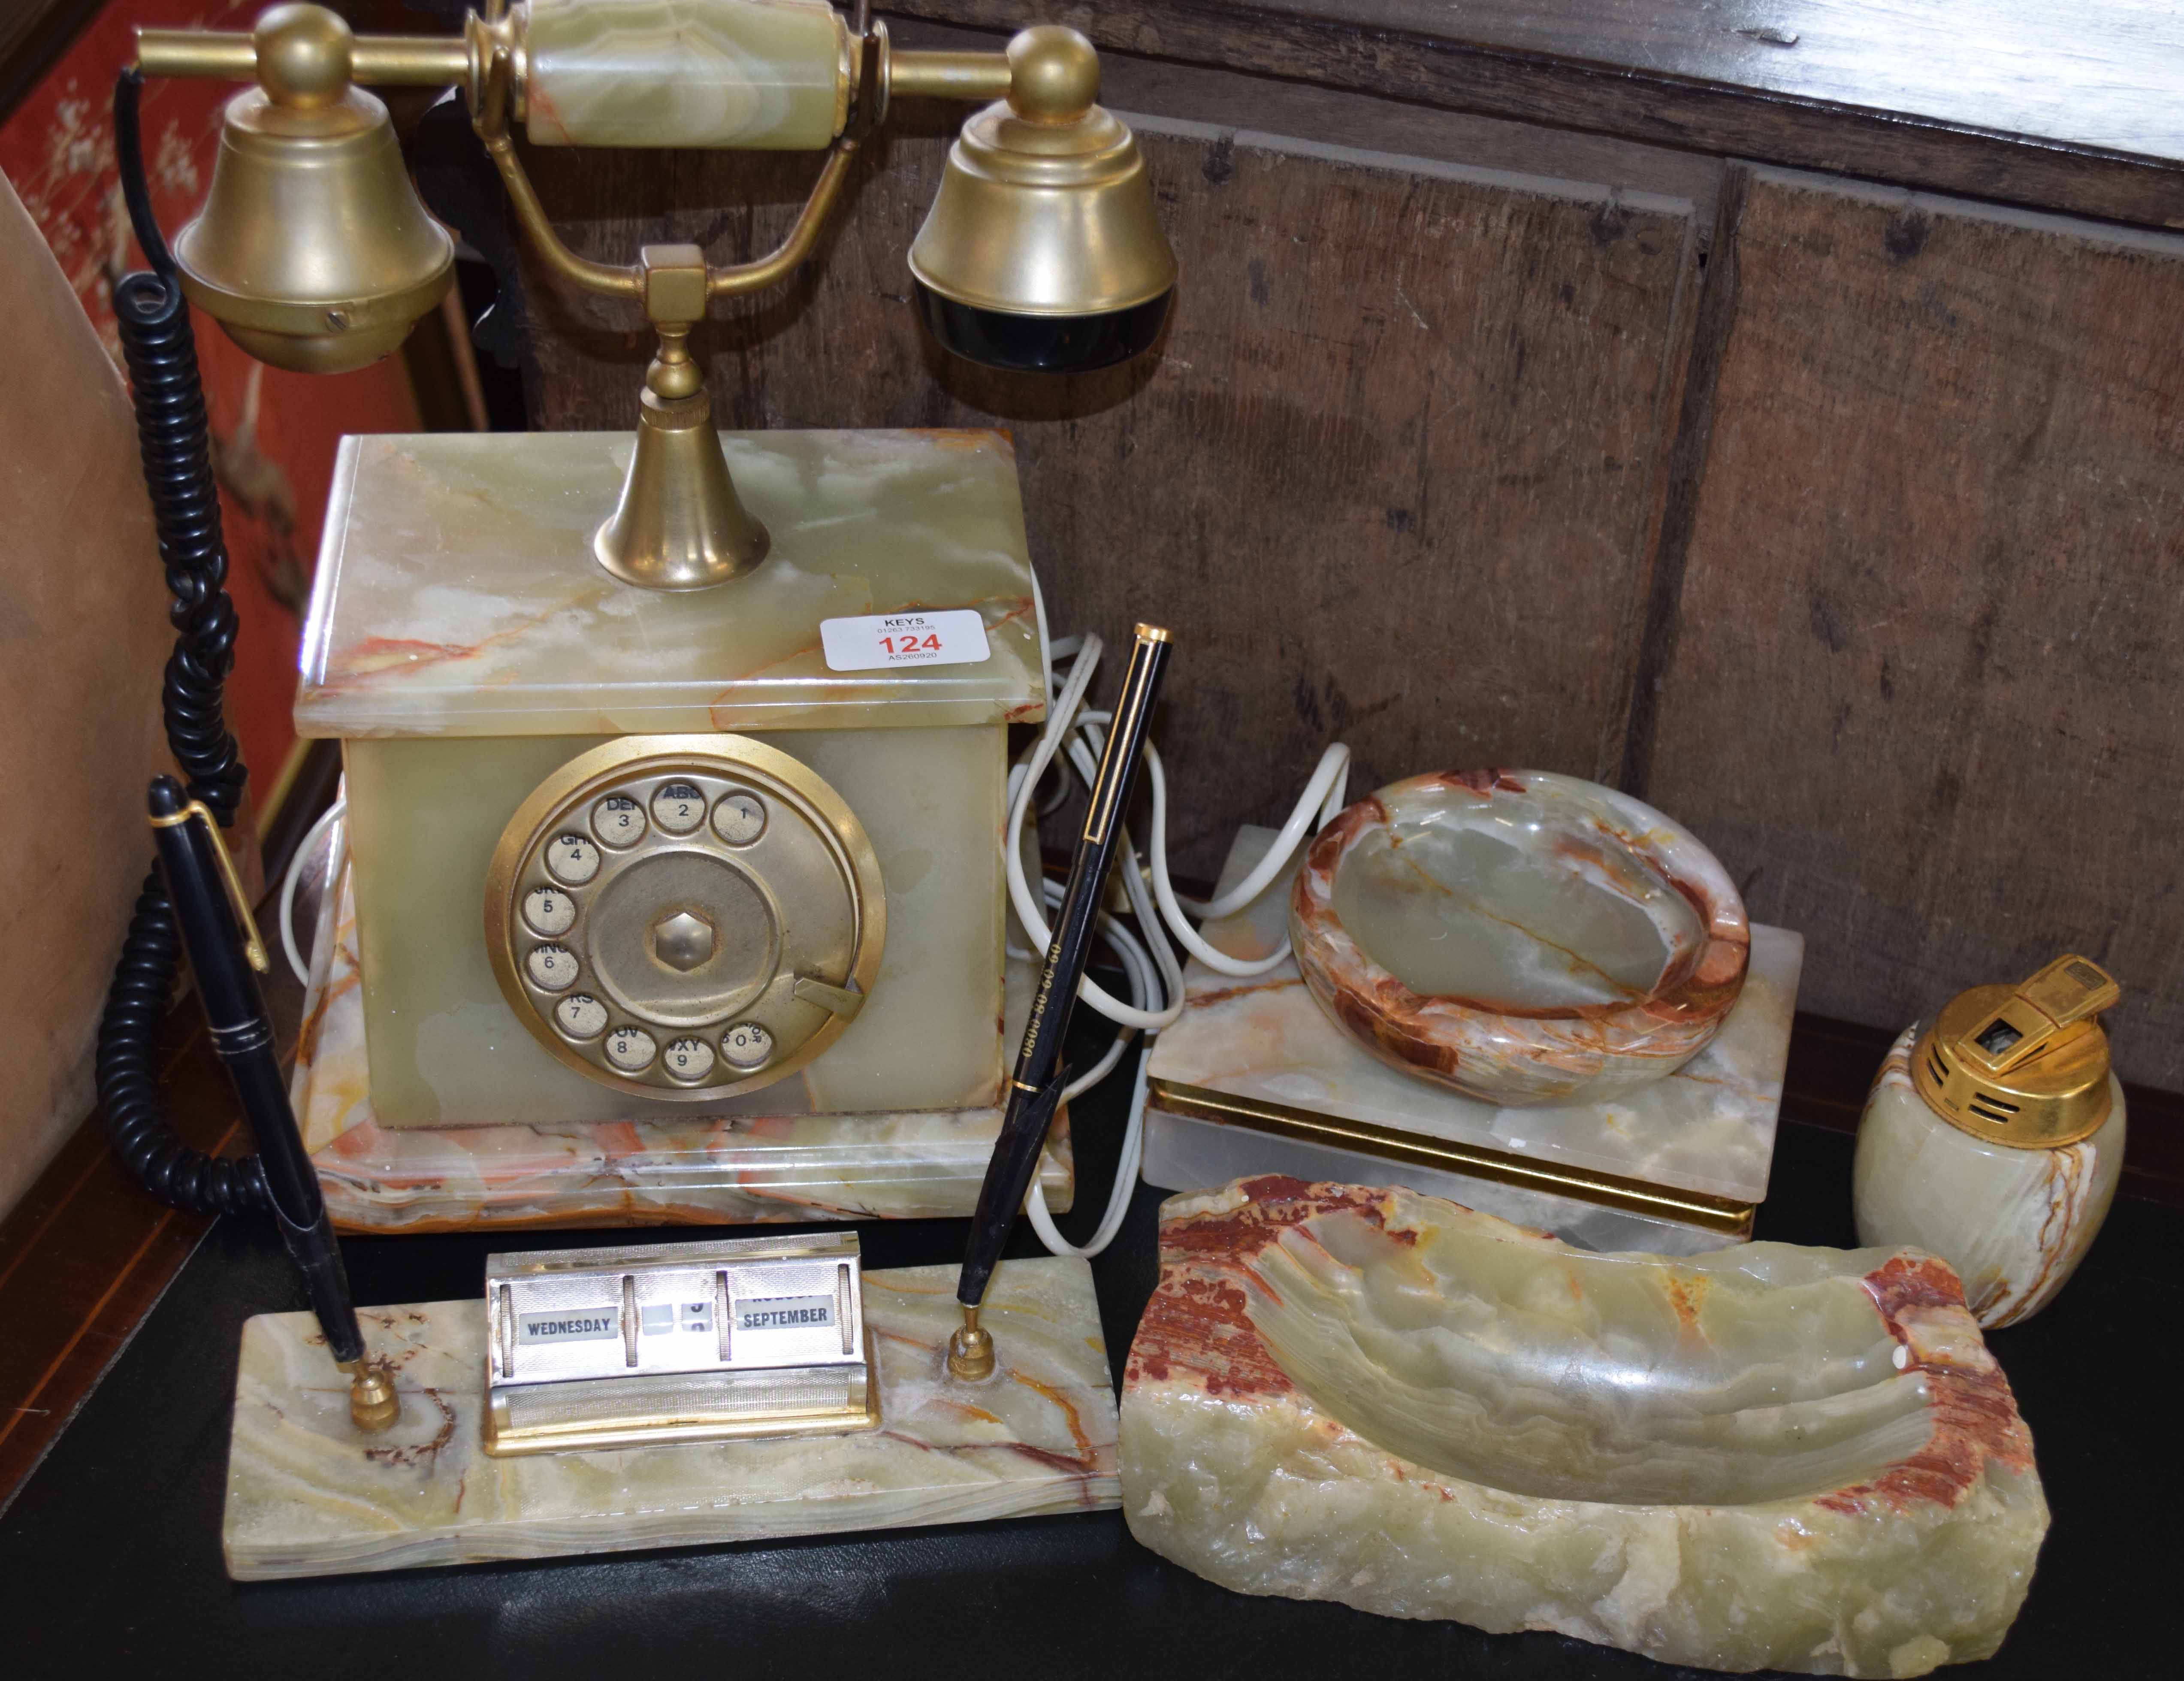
(1519, 936)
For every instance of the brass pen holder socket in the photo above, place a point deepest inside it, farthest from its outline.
(373, 1403)
(971, 1350)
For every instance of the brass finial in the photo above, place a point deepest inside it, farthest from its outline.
(1054, 74)
(305, 55)
(971, 1350)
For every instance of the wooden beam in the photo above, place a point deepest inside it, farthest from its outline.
(2061, 107)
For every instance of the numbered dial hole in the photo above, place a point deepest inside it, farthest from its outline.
(739, 818)
(618, 820)
(631, 1049)
(571, 859)
(579, 1016)
(552, 968)
(747, 1044)
(550, 911)
(678, 808)
(689, 1059)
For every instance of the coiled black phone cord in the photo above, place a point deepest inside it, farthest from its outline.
(161, 352)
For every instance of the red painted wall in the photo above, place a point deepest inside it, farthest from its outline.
(273, 432)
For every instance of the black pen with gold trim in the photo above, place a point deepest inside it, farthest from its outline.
(226, 957)
(1035, 1091)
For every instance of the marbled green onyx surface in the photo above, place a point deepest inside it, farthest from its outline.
(753, 75)
(445, 1051)
(457, 594)
(1772, 1457)
(464, 642)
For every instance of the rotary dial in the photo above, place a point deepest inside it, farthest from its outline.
(685, 916)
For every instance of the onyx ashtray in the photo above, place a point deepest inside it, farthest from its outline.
(1520, 936)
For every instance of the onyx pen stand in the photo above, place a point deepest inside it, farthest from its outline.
(1255, 1079)
(310, 1494)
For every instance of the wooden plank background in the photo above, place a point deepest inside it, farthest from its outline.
(1926, 696)
(2064, 107)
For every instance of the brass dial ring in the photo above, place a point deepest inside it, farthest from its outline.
(685, 917)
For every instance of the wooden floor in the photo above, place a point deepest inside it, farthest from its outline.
(82, 1259)
(87, 1252)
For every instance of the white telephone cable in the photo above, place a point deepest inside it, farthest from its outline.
(335, 859)
(1061, 716)
(1118, 1197)
(1078, 736)
(1325, 793)
(1330, 783)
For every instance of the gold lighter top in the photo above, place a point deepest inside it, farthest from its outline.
(2027, 1066)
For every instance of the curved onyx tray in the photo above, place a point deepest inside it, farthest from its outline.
(1770, 1457)
(1520, 936)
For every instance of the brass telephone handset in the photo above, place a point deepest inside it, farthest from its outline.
(662, 958)
(1043, 250)
(696, 916)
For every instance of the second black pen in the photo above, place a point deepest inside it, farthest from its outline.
(1035, 1088)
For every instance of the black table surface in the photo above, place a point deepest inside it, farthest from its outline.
(110, 1555)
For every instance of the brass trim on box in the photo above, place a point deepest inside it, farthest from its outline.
(1720, 1215)
(505, 1441)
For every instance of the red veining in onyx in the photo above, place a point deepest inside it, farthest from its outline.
(366, 658)
(377, 656)
(1197, 1327)
(1276, 1202)
(1196, 1320)
(1907, 1281)
(1222, 994)
(1505, 1053)
(2065, 1177)
(1687, 1293)
(1000, 439)
(1974, 1415)
(1482, 782)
